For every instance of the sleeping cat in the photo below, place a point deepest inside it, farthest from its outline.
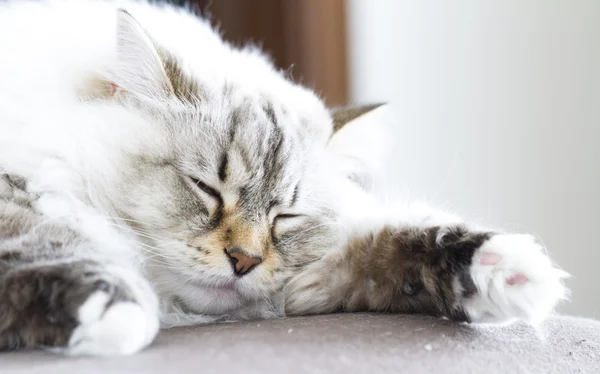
(152, 174)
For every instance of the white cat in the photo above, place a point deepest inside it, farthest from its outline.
(151, 172)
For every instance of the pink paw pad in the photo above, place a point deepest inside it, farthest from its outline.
(488, 258)
(517, 279)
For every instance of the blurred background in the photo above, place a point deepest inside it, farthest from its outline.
(496, 104)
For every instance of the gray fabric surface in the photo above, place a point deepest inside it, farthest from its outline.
(346, 343)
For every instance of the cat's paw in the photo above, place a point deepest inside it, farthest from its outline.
(119, 318)
(79, 308)
(107, 328)
(515, 279)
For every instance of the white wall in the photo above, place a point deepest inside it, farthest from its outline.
(498, 114)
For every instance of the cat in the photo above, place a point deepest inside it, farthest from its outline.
(154, 175)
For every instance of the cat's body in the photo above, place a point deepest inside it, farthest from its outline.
(152, 172)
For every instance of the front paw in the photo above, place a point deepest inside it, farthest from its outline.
(514, 279)
(109, 328)
(81, 308)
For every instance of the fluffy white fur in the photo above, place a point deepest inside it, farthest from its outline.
(69, 151)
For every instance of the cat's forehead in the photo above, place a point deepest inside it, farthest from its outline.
(263, 150)
(250, 146)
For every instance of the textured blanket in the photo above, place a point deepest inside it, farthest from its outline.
(346, 343)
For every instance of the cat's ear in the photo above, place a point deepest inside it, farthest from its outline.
(362, 144)
(344, 115)
(140, 62)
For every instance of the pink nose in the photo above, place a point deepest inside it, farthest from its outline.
(242, 262)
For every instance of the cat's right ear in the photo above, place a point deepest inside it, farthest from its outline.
(343, 116)
(360, 137)
(139, 67)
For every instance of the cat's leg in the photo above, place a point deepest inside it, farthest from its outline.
(58, 292)
(431, 262)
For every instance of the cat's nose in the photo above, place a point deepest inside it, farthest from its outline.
(242, 262)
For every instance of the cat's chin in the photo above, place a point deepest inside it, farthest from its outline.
(211, 299)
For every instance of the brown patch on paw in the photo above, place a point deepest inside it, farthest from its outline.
(414, 270)
(39, 304)
(400, 270)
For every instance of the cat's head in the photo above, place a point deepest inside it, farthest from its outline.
(225, 180)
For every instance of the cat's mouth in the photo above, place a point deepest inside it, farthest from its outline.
(225, 286)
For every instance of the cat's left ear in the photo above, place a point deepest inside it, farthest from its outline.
(140, 62)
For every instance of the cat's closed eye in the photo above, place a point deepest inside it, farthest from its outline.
(287, 216)
(214, 194)
(285, 221)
